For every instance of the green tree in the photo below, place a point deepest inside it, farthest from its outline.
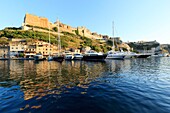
(55, 29)
(77, 31)
(21, 55)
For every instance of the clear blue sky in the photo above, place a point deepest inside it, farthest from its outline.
(134, 20)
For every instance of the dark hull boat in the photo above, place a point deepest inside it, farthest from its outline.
(4, 58)
(94, 58)
(58, 58)
(143, 56)
(39, 57)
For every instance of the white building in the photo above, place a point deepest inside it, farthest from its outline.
(17, 46)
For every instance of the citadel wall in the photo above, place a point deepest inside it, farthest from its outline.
(32, 20)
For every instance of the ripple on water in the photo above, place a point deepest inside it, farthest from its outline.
(116, 86)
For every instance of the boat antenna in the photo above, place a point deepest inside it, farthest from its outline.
(113, 47)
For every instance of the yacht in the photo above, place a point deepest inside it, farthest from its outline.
(39, 57)
(59, 57)
(50, 58)
(128, 54)
(143, 55)
(68, 56)
(160, 55)
(77, 56)
(114, 54)
(94, 56)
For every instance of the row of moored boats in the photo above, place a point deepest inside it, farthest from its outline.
(92, 56)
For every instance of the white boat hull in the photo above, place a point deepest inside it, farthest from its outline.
(78, 57)
(50, 58)
(115, 56)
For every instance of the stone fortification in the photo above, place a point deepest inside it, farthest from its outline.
(64, 27)
(36, 21)
(32, 20)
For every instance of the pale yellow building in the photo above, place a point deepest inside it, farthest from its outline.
(21, 46)
(17, 46)
(45, 48)
(4, 51)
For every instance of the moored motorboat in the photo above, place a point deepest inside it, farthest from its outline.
(115, 55)
(39, 57)
(94, 56)
(143, 55)
(1, 58)
(49, 58)
(160, 55)
(78, 56)
(59, 58)
(68, 56)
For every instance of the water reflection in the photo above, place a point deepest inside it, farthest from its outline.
(4, 70)
(111, 86)
(40, 78)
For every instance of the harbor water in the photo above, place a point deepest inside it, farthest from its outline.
(113, 86)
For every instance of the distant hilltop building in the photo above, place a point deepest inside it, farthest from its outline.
(147, 42)
(38, 23)
(32, 20)
(145, 46)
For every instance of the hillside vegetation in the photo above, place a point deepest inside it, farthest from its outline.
(68, 40)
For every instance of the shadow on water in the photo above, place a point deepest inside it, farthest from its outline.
(113, 86)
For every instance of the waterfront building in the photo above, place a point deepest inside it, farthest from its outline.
(44, 48)
(17, 47)
(4, 51)
(30, 48)
(20, 46)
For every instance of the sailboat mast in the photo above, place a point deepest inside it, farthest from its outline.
(113, 47)
(59, 43)
(49, 52)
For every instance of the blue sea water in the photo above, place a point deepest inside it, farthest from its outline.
(113, 86)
